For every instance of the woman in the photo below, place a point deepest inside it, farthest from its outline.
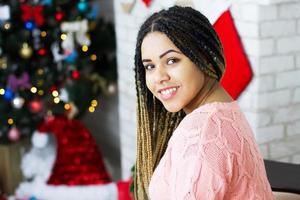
(193, 140)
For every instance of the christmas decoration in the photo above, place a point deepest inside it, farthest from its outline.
(147, 2)
(14, 134)
(78, 171)
(50, 45)
(127, 5)
(4, 12)
(238, 72)
(26, 50)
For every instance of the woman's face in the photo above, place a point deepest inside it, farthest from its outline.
(170, 75)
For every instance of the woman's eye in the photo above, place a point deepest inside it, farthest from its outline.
(172, 61)
(149, 67)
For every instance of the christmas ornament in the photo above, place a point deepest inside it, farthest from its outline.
(64, 95)
(127, 5)
(22, 82)
(25, 51)
(46, 2)
(35, 106)
(55, 52)
(39, 139)
(72, 57)
(147, 2)
(8, 95)
(30, 25)
(76, 75)
(18, 102)
(82, 6)
(33, 13)
(3, 63)
(59, 16)
(93, 14)
(4, 13)
(42, 51)
(14, 134)
(77, 28)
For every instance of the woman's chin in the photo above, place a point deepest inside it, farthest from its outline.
(172, 108)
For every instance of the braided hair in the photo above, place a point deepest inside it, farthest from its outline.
(192, 33)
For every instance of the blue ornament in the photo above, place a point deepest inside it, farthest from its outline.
(72, 57)
(8, 95)
(82, 6)
(94, 11)
(32, 198)
(46, 2)
(30, 25)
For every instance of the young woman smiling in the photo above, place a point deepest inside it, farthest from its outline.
(193, 139)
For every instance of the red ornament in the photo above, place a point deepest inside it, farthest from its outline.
(76, 75)
(35, 106)
(59, 16)
(42, 51)
(78, 160)
(147, 2)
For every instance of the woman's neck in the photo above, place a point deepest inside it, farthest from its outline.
(211, 92)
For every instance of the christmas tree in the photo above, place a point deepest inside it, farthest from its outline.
(56, 58)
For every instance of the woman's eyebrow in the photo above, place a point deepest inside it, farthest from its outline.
(162, 55)
(169, 51)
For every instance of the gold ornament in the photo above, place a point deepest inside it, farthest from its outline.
(25, 51)
(3, 63)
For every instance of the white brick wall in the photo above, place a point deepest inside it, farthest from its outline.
(270, 32)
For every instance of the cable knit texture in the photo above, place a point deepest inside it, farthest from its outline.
(212, 155)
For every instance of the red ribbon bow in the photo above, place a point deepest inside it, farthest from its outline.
(34, 13)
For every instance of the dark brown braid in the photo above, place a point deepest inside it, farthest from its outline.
(192, 33)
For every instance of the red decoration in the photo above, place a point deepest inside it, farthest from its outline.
(42, 51)
(34, 13)
(59, 16)
(238, 73)
(35, 106)
(147, 2)
(3, 196)
(78, 160)
(76, 75)
(124, 190)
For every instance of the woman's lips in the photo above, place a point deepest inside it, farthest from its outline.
(168, 93)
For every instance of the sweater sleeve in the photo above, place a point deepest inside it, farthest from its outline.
(205, 165)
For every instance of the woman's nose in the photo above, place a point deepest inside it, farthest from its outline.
(161, 75)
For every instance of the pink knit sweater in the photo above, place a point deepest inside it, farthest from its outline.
(212, 155)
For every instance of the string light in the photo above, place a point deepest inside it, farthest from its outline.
(40, 92)
(33, 90)
(94, 103)
(93, 57)
(10, 121)
(2, 91)
(43, 33)
(56, 100)
(63, 36)
(85, 48)
(40, 71)
(92, 109)
(55, 93)
(7, 26)
(67, 106)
